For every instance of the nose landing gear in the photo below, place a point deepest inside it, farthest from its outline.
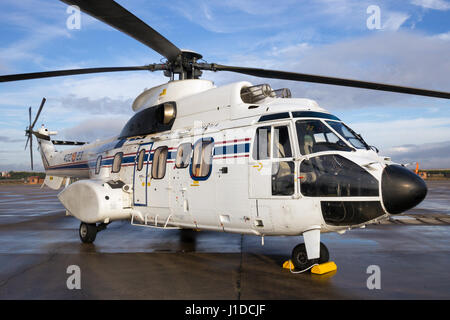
(300, 257)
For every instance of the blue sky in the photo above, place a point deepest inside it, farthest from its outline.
(327, 37)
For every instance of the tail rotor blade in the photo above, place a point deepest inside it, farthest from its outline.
(31, 151)
(27, 131)
(38, 113)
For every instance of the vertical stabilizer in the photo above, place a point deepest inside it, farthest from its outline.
(46, 146)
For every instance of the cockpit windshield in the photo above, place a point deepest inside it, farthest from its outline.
(314, 136)
(348, 134)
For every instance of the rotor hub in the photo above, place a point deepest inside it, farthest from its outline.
(185, 65)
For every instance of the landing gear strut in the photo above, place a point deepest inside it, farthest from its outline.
(300, 257)
(88, 231)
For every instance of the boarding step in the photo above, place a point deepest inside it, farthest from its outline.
(151, 222)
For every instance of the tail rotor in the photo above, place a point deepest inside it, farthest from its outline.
(29, 130)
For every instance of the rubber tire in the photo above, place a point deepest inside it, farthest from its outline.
(87, 232)
(324, 254)
(300, 257)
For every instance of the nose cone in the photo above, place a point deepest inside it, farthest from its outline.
(401, 188)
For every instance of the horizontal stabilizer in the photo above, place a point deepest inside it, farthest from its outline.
(68, 143)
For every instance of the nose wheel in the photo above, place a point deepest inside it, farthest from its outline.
(300, 257)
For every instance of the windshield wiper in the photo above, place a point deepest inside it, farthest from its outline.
(358, 136)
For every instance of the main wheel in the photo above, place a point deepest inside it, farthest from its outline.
(88, 232)
(300, 257)
(324, 254)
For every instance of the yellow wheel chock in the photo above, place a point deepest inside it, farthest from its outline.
(288, 265)
(318, 269)
(324, 268)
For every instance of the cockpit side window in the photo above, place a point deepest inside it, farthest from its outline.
(281, 142)
(314, 136)
(276, 138)
(262, 142)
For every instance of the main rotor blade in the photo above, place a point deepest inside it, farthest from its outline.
(37, 115)
(59, 73)
(284, 75)
(120, 18)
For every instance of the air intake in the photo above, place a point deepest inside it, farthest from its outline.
(260, 92)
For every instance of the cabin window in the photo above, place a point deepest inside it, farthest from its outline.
(261, 145)
(183, 155)
(140, 161)
(159, 163)
(98, 164)
(202, 158)
(117, 162)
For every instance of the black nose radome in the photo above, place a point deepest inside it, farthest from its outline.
(401, 188)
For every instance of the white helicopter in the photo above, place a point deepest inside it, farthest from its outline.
(240, 158)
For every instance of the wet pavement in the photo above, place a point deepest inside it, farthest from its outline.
(38, 243)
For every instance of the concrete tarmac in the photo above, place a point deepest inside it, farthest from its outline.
(38, 243)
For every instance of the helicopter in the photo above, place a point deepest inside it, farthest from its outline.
(242, 158)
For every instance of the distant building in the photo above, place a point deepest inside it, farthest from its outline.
(436, 174)
(6, 174)
(35, 180)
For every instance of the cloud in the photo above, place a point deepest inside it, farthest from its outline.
(103, 105)
(9, 139)
(443, 36)
(38, 22)
(25, 49)
(432, 4)
(387, 133)
(395, 20)
(98, 127)
(429, 156)
(399, 58)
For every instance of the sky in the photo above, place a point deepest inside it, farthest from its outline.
(405, 42)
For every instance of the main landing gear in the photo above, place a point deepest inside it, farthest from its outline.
(88, 231)
(300, 257)
(311, 252)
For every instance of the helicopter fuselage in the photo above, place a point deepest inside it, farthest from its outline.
(279, 166)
